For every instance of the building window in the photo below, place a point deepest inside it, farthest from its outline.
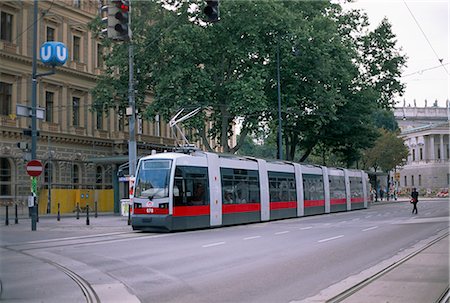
(99, 120)
(448, 179)
(99, 177)
(99, 56)
(49, 97)
(6, 26)
(121, 125)
(75, 175)
(5, 177)
(406, 181)
(77, 3)
(50, 33)
(420, 154)
(414, 155)
(439, 153)
(5, 98)
(412, 180)
(76, 48)
(420, 180)
(76, 111)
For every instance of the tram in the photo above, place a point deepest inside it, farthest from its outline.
(183, 191)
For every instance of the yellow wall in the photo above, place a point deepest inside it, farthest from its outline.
(68, 199)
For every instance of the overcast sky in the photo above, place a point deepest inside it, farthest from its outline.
(425, 77)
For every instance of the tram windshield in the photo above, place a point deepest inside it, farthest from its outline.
(152, 180)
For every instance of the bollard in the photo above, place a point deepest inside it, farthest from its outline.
(78, 211)
(6, 218)
(58, 217)
(95, 208)
(37, 211)
(16, 217)
(129, 214)
(87, 214)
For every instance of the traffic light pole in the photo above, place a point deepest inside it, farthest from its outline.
(131, 100)
(34, 209)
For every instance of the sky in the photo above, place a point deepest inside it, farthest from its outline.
(422, 30)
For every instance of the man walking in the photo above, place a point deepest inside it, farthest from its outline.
(414, 200)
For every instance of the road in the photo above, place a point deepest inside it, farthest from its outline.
(281, 261)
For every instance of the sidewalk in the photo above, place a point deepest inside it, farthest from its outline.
(422, 278)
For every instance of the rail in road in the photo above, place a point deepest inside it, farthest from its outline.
(341, 297)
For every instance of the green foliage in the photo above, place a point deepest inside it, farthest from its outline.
(388, 152)
(335, 73)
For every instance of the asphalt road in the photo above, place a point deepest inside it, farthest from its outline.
(281, 261)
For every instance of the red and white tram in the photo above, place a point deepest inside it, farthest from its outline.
(179, 191)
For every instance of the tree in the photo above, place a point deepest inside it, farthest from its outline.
(229, 69)
(388, 152)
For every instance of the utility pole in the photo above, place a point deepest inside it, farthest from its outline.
(132, 104)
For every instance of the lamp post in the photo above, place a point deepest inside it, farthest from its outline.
(280, 149)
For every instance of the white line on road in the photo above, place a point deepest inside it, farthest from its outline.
(282, 232)
(305, 228)
(329, 239)
(251, 238)
(213, 244)
(370, 228)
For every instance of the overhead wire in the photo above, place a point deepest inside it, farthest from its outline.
(423, 70)
(426, 38)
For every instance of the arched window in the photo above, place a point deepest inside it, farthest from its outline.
(75, 175)
(5, 177)
(99, 177)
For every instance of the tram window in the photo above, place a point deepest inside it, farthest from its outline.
(153, 179)
(240, 186)
(191, 185)
(337, 187)
(356, 188)
(313, 187)
(282, 187)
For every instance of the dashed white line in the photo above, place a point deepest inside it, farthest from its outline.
(370, 228)
(329, 239)
(282, 232)
(251, 238)
(305, 228)
(213, 244)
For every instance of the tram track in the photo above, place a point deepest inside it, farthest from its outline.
(359, 286)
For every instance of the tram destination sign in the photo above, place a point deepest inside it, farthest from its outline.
(34, 168)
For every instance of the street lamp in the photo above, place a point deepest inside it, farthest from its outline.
(280, 149)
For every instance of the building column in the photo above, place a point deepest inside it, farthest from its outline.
(432, 155)
(441, 146)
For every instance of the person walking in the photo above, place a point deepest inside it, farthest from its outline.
(414, 200)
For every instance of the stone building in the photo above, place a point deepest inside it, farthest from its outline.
(80, 149)
(426, 133)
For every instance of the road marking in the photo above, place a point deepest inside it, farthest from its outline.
(251, 238)
(305, 228)
(370, 228)
(213, 244)
(329, 239)
(282, 232)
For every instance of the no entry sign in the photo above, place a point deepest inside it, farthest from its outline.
(34, 168)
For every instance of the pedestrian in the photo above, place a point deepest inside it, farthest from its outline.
(414, 200)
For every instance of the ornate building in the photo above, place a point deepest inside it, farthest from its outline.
(71, 136)
(426, 133)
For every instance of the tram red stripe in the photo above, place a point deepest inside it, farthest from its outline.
(184, 211)
(357, 200)
(283, 205)
(314, 203)
(338, 201)
(240, 208)
(151, 211)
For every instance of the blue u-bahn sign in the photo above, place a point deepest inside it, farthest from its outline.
(54, 53)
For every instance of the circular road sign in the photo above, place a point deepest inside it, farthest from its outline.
(34, 168)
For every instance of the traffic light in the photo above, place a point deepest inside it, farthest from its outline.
(211, 10)
(118, 19)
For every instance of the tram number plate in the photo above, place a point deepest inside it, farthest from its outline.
(149, 210)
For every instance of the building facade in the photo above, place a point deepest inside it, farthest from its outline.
(425, 131)
(71, 135)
